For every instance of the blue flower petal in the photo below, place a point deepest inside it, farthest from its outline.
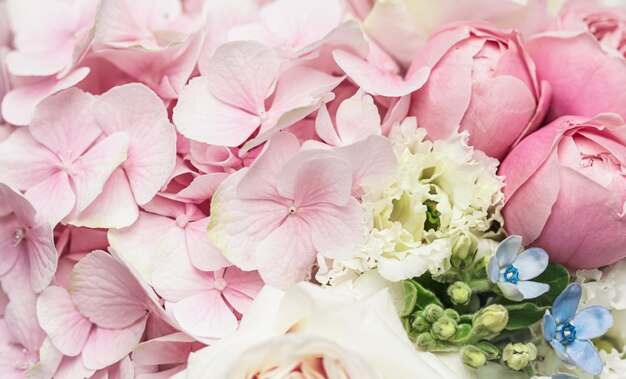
(549, 326)
(559, 349)
(592, 322)
(493, 271)
(510, 291)
(508, 249)
(531, 290)
(584, 354)
(531, 263)
(565, 305)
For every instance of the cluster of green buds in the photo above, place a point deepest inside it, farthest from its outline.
(433, 327)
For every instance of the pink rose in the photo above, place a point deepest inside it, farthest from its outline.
(483, 81)
(584, 58)
(566, 190)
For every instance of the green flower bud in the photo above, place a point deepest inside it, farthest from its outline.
(490, 321)
(444, 328)
(420, 324)
(460, 293)
(473, 356)
(518, 355)
(426, 342)
(463, 250)
(432, 312)
(490, 350)
(452, 314)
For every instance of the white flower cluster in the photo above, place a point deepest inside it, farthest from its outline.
(441, 191)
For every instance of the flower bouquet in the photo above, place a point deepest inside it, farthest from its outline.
(312, 189)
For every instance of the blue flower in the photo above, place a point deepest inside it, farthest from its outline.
(569, 333)
(512, 270)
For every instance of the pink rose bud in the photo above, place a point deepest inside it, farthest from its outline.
(482, 81)
(566, 190)
(583, 57)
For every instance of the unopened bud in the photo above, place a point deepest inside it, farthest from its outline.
(432, 312)
(460, 293)
(451, 313)
(426, 342)
(444, 328)
(462, 248)
(518, 355)
(473, 356)
(490, 321)
(420, 324)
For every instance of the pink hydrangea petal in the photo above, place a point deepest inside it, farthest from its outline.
(18, 105)
(336, 231)
(202, 253)
(205, 315)
(91, 172)
(104, 346)
(242, 74)
(137, 111)
(176, 279)
(106, 292)
(10, 252)
(115, 207)
(200, 116)
(42, 256)
(170, 349)
(21, 150)
(357, 119)
(287, 254)
(53, 197)
(63, 323)
(376, 81)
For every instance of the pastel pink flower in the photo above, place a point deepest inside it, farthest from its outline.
(102, 317)
(25, 238)
(15, 359)
(583, 57)
(302, 28)
(566, 190)
(476, 70)
(164, 356)
(152, 41)
(379, 74)
(136, 111)
(276, 215)
(244, 89)
(206, 305)
(67, 156)
(167, 226)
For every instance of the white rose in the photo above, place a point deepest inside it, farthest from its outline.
(310, 332)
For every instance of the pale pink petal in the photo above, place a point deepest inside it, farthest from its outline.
(9, 225)
(104, 346)
(336, 231)
(65, 326)
(21, 317)
(169, 349)
(137, 111)
(21, 150)
(72, 367)
(321, 179)
(238, 225)
(375, 80)
(205, 315)
(260, 180)
(53, 197)
(287, 255)
(115, 207)
(138, 244)
(357, 118)
(91, 172)
(42, 256)
(371, 158)
(176, 279)
(324, 127)
(18, 106)
(201, 117)
(202, 187)
(106, 292)
(202, 253)
(243, 74)
(68, 133)
(246, 282)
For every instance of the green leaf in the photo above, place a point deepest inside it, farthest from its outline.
(557, 277)
(422, 296)
(523, 315)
